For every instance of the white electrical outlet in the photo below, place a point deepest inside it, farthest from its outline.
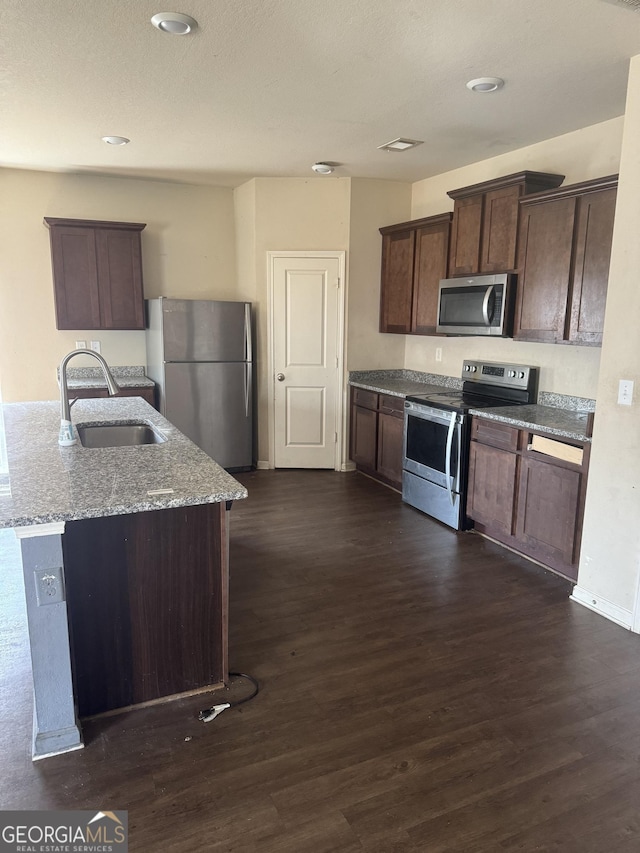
(81, 344)
(49, 586)
(438, 353)
(625, 392)
(95, 346)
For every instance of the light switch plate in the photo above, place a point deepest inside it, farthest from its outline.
(625, 392)
(95, 346)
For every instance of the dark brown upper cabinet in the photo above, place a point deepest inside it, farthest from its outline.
(97, 273)
(563, 256)
(414, 259)
(485, 222)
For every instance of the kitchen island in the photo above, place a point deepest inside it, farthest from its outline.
(125, 559)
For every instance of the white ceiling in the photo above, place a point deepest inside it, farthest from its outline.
(268, 87)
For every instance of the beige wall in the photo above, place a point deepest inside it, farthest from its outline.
(373, 204)
(589, 153)
(284, 214)
(188, 250)
(608, 577)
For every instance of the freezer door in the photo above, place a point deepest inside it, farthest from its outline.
(212, 405)
(200, 330)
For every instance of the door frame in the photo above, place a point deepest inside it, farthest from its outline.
(341, 256)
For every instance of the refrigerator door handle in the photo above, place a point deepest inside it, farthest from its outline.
(248, 347)
(247, 388)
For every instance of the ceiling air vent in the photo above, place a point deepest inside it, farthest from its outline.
(634, 5)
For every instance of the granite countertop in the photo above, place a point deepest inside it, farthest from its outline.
(556, 421)
(401, 383)
(92, 377)
(49, 483)
(556, 414)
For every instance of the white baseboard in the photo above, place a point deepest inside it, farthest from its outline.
(613, 612)
(348, 466)
(262, 466)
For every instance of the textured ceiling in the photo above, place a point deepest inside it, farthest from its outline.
(268, 87)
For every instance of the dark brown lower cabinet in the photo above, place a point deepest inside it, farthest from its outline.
(377, 424)
(549, 512)
(146, 392)
(492, 485)
(529, 500)
(147, 598)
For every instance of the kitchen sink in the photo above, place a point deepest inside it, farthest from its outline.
(118, 435)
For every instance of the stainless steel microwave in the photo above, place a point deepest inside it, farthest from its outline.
(480, 305)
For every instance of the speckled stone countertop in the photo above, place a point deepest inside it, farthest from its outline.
(49, 483)
(562, 422)
(401, 383)
(92, 377)
(557, 414)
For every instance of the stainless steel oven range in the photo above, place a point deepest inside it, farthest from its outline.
(436, 435)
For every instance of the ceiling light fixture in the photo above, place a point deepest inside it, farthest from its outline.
(116, 140)
(322, 168)
(174, 23)
(485, 84)
(400, 144)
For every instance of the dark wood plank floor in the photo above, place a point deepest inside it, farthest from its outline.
(421, 691)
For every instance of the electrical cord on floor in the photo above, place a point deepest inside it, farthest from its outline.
(211, 713)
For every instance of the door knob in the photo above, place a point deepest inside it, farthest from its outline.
(280, 377)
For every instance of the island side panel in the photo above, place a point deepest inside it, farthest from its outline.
(55, 724)
(147, 597)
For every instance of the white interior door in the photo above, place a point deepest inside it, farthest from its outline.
(306, 333)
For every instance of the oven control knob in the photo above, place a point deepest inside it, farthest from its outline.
(511, 374)
(521, 374)
(473, 368)
(467, 367)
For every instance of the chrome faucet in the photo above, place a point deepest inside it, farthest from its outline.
(66, 436)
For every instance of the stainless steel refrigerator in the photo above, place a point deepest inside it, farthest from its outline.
(199, 353)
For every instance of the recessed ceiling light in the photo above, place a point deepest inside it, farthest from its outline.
(174, 23)
(399, 144)
(116, 140)
(322, 168)
(485, 84)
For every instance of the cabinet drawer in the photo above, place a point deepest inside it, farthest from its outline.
(494, 433)
(366, 399)
(391, 405)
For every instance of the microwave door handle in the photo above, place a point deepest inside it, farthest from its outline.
(447, 462)
(485, 305)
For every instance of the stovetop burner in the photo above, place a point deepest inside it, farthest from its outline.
(460, 401)
(486, 385)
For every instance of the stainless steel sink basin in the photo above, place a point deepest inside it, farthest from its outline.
(118, 435)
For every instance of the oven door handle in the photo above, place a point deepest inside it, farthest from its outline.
(447, 462)
(485, 305)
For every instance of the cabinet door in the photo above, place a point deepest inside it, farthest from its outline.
(544, 259)
(594, 235)
(492, 487)
(120, 279)
(75, 277)
(548, 513)
(87, 393)
(464, 256)
(364, 434)
(390, 432)
(430, 265)
(500, 230)
(396, 285)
